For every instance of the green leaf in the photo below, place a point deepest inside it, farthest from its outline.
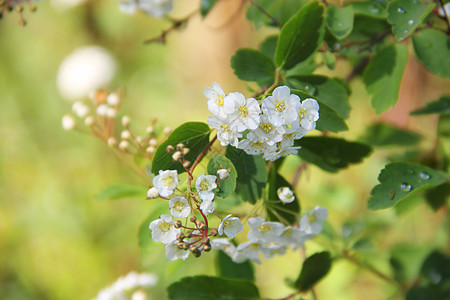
(329, 90)
(121, 191)
(331, 154)
(436, 267)
(406, 261)
(280, 10)
(286, 213)
(383, 134)
(441, 106)
(383, 76)
(406, 15)
(399, 180)
(438, 196)
(251, 174)
(432, 48)
(329, 119)
(301, 36)
(252, 65)
(329, 59)
(194, 135)
(212, 288)
(269, 45)
(206, 6)
(370, 9)
(314, 269)
(339, 20)
(228, 185)
(228, 268)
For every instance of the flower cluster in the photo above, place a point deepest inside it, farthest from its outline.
(156, 8)
(128, 287)
(271, 238)
(181, 239)
(269, 126)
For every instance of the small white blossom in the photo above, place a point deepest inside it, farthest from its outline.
(311, 224)
(285, 194)
(111, 112)
(126, 121)
(283, 151)
(281, 106)
(179, 207)
(174, 253)
(204, 186)
(266, 132)
(163, 230)
(216, 101)
(125, 135)
(207, 207)
(223, 174)
(230, 226)
(123, 145)
(308, 113)
(102, 110)
(156, 8)
(152, 193)
(125, 284)
(263, 231)
(113, 99)
(68, 122)
(224, 132)
(80, 109)
(292, 237)
(254, 147)
(252, 250)
(166, 182)
(272, 250)
(228, 248)
(246, 113)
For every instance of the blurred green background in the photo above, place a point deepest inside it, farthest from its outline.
(58, 241)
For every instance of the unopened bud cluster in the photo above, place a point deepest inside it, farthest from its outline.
(16, 6)
(179, 153)
(270, 125)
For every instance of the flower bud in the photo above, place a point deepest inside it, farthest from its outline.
(68, 122)
(223, 174)
(197, 252)
(150, 149)
(186, 164)
(180, 146)
(193, 219)
(152, 193)
(178, 224)
(206, 248)
(123, 145)
(125, 135)
(150, 129)
(176, 156)
(169, 149)
(111, 112)
(153, 142)
(138, 139)
(185, 151)
(126, 121)
(167, 130)
(89, 121)
(113, 99)
(102, 110)
(213, 232)
(180, 236)
(112, 142)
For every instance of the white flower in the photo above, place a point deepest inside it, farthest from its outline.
(102, 110)
(207, 207)
(228, 248)
(246, 113)
(166, 182)
(266, 132)
(156, 8)
(263, 231)
(230, 226)
(84, 71)
(281, 106)
(163, 230)
(139, 295)
(224, 132)
(113, 99)
(294, 130)
(272, 250)
(308, 113)
(311, 224)
(204, 186)
(174, 253)
(124, 284)
(251, 250)
(80, 109)
(179, 207)
(152, 193)
(285, 194)
(292, 237)
(217, 104)
(283, 151)
(68, 122)
(254, 147)
(223, 174)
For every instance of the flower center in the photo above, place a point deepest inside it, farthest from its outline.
(178, 206)
(225, 128)
(243, 111)
(257, 144)
(164, 227)
(312, 218)
(168, 181)
(280, 106)
(302, 113)
(264, 228)
(219, 100)
(204, 185)
(266, 127)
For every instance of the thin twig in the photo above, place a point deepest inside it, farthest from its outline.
(266, 13)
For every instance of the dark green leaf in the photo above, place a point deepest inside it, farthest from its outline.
(441, 106)
(383, 134)
(225, 204)
(329, 90)
(277, 210)
(121, 191)
(383, 76)
(227, 185)
(339, 20)
(330, 60)
(206, 6)
(280, 10)
(269, 45)
(300, 36)
(369, 8)
(406, 15)
(432, 48)
(438, 196)
(229, 269)
(398, 180)
(194, 135)
(251, 174)
(252, 65)
(314, 269)
(306, 67)
(212, 288)
(436, 268)
(406, 261)
(331, 154)
(329, 119)
(428, 292)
